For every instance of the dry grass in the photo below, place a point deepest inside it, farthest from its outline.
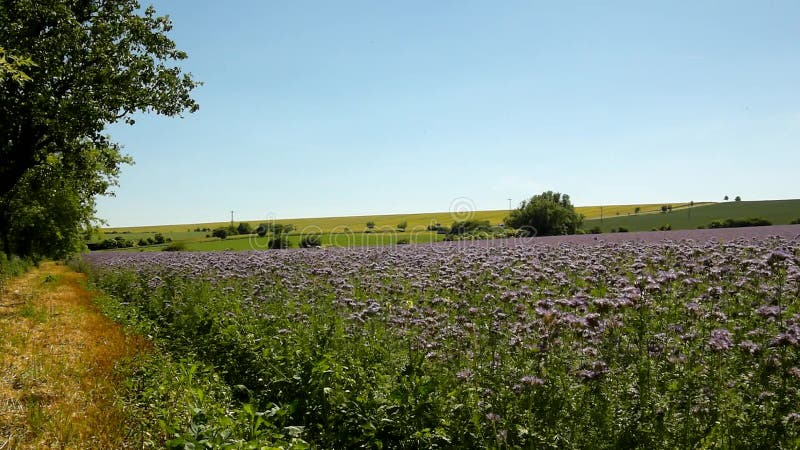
(58, 354)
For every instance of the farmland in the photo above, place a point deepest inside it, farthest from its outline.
(652, 340)
(779, 212)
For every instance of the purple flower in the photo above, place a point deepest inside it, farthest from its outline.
(720, 340)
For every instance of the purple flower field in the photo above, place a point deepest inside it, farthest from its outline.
(656, 340)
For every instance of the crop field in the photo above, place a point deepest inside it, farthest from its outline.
(382, 222)
(779, 212)
(650, 340)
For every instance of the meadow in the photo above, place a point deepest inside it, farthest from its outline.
(650, 340)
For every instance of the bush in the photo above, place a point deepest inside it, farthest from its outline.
(548, 214)
(622, 230)
(159, 238)
(278, 242)
(665, 227)
(244, 228)
(402, 225)
(402, 241)
(370, 225)
(470, 226)
(142, 242)
(221, 233)
(738, 223)
(175, 247)
(595, 230)
(310, 241)
(795, 222)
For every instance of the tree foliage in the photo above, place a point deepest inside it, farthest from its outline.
(547, 214)
(69, 69)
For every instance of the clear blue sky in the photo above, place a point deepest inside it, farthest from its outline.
(341, 108)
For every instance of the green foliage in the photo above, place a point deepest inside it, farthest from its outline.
(595, 230)
(110, 244)
(370, 225)
(175, 247)
(547, 214)
(737, 199)
(310, 241)
(221, 233)
(279, 241)
(158, 238)
(736, 223)
(13, 67)
(79, 67)
(470, 226)
(12, 267)
(402, 225)
(795, 222)
(244, 228)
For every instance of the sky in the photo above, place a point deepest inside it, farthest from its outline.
(319, 108)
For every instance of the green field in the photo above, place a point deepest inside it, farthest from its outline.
(779, 212)
(382, 222)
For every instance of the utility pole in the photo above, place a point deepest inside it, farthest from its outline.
(509, 204)
(231, 218)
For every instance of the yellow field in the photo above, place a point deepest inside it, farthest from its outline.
(390, 221)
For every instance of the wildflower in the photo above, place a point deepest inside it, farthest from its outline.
(492, 417)
(464, 374)
(720, 340)
(531, 380)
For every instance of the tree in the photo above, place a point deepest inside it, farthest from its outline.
(547, 214)
(726, 198)
(737, 199)
(84, 65)
(402, 225)
(159, 238)
(370, 224)
(664, 208)
(221, 233)
(244, 228)
(637, 210)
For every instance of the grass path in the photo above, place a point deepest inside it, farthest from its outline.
(58, 364)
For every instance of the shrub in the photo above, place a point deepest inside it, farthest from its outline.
(402, 225)
(221, 233)
(795, 222)
(370, 225)
(175, 247)
(159, 238)
(278, 242)
(622, 230)
(665, 227)
(142, 242)
(470, 226)
(737, 223)
(595, 230)
(310, 241)
(402, 241)
(244, 228)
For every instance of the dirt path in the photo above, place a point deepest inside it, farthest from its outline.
(58, 383)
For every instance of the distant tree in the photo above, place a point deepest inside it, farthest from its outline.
(278, 242)
(142, 242)
(311, 241)
(221, 233)
(726, 198)
(549, 213)
(402, 225)
(370, 225)
(159, 238)
(262, 229)
(244, 228)
(637, 210)
(669, 208)
(737, 199)
(664, 208)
